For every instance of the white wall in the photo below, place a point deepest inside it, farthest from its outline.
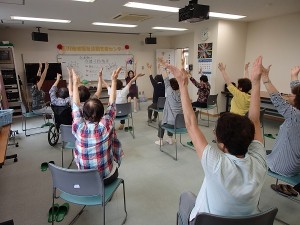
(33, 51)
(278, 41)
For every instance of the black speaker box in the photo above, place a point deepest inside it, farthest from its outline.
(37, 36)
(150, 41)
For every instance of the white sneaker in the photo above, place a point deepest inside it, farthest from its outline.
(159, 142)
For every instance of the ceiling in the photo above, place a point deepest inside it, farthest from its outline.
(83, 14)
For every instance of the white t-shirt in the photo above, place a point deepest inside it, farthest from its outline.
(121, 95)
(232, 185)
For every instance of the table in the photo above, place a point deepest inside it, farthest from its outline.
(4, 137)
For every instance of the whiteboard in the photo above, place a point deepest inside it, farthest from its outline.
(87, 65)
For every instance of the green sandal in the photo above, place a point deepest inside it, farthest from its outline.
(55, 207)
(62, 211)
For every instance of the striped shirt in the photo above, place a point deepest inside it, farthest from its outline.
(285, 156)
(97, 145)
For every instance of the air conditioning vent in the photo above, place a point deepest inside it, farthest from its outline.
(131, 17)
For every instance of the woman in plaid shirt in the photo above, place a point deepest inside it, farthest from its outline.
(97, 145)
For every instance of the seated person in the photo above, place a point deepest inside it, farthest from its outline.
(172, 108)
(203, 90)
(97, 145)
(59, 97)
(284, 158)
(235, 171)
(158, 91)
(133, 90)
(121, 95)
(241, 97)
(38, 95)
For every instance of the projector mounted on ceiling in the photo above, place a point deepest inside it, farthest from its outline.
(194, 12)
(150, 40)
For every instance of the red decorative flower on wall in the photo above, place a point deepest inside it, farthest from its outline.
(59, 46)
(126, 46)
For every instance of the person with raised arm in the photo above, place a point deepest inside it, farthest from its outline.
(96, 143)
(158, 91)
(172, 107)
(39, 106)
(121, 93)
(133, 90)
(241, 98)
(59, 97)
(284, 158)
(235, 171)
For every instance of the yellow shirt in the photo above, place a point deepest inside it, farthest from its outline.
(240, 102)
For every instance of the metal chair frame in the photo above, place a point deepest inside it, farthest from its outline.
(160, 108)
(124, 112)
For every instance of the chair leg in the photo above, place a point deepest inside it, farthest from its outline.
(132, 131)
(124, 203)
(62, 156)
(77, 216)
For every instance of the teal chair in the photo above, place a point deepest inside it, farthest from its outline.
(83, 187)
(212, 102)
(179, 128)
(67, 141)
(124, 112)
(263, 218)
(27, 115)
(160, 108)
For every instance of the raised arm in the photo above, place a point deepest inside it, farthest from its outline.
(135, 66)
(134, 79)
(267, 82)
(195, 133)
(294, 73)
(70, 85)
(58, 76)
(43, 76)
(39, 72)
(76, 82)
(99, 85)
(222, 69)
(114, 77)
(254, 110)
(149, 67)
(246, 70)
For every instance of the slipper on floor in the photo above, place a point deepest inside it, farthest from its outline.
(44, 166)
(281, 189)
(55, 207)
(291, 190)
(62, 211)
(269, 136)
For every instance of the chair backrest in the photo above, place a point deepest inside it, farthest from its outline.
(124, 109)
(77, 182)
(212, 99)
(179, 121)
(264, 218)
(66, 133)
(261, 116)
(161, 102)
(62, 114)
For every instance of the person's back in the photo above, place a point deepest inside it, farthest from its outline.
(59, 97)
(285, 156)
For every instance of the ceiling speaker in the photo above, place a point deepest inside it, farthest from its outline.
(37, 36)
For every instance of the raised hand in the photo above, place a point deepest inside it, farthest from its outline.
(180, 74)
(115, 74)
(222, 67)
(100, 72)
(265, 73)
(46, 65)
(295, 71)
(58, 76)
(76, 78)
(247, 66)
(257, 69)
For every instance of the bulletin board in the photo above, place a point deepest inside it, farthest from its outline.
(87, 66)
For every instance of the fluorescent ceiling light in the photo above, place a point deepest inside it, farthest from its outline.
(225, 16)
(113, 24)
(175, 9)
(151, 7)
(83, 0)
(169, 28)
(39, 19)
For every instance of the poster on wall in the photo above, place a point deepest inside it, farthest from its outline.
(205, 59)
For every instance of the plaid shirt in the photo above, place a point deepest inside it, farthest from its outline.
(97, 145)
(55, 100)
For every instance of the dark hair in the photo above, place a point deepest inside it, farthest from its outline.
(159, 78)
(236, 132)
(63, 92)
(296, 92)
(174, 84)
(130, 72)
(245, 84)
(84, 93)
(204, 78)
(93, 110)
(119, 84)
